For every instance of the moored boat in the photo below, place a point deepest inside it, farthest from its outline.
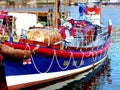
(45, 54)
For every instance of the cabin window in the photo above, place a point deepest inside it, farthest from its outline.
(42, 20)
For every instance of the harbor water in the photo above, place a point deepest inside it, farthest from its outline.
(105, 77)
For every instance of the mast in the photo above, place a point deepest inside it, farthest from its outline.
(56, 13)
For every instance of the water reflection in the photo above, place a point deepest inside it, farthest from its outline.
(115, 47)
(92, 81)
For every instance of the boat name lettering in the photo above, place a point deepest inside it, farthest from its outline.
(65, 63)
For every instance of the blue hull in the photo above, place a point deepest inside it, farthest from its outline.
(46, 64)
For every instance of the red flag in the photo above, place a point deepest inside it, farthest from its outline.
(27, 61)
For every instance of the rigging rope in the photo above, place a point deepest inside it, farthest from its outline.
(48, 67)
(81, 63)
(61, 66)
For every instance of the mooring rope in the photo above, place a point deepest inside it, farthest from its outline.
(26, 49)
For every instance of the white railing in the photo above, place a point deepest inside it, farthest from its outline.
(83, 40)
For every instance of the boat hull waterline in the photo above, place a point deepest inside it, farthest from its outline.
(22, 81)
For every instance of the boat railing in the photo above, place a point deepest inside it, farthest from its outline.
(82, 39)
(90, 40)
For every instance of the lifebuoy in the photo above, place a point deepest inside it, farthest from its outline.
(91, 11)
(109, 27)
(71, 28)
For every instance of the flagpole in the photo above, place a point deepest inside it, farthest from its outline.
(56, 13)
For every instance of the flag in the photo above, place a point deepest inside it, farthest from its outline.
(27, 61)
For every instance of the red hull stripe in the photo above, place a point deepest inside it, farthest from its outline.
(61, 53)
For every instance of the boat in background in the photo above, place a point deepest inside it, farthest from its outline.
(41, 55)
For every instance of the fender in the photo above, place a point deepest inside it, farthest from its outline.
(109, 27)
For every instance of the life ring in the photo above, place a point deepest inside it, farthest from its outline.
(65, 26)
(109, 27)
(91, 11)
